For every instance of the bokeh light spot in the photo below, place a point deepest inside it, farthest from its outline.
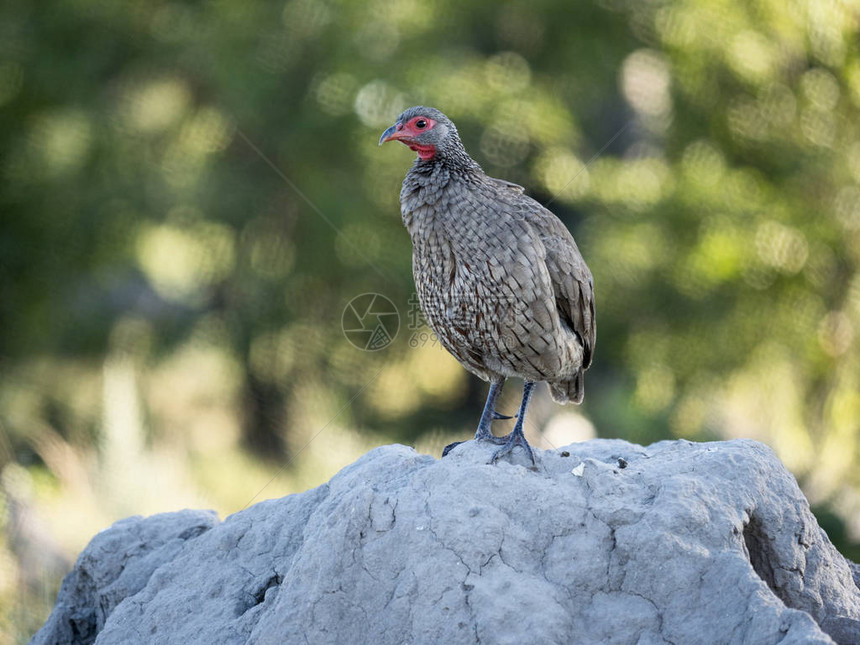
(378, 104)
(155, 105)
(182, 262)
(645, 81)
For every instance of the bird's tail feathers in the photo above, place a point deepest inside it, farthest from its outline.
(569, 391)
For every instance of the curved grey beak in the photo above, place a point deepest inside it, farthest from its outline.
(388, 135)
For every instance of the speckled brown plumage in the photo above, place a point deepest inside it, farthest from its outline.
(500, 279)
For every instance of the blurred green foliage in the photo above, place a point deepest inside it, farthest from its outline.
(192, 192)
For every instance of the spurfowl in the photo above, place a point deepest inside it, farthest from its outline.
(499, 277)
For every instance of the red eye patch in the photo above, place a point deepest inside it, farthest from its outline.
(420, 124)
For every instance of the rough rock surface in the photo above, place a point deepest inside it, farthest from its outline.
(614, 543)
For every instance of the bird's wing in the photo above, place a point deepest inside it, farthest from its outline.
(543, 260)
(571, 279)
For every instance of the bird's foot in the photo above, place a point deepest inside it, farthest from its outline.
(484, 434)
(512, 441)
(499, 441)
(489, 436)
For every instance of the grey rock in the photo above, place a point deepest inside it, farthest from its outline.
(117, 564)
(689, 543)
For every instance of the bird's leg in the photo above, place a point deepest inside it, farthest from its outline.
(517, 438)
(484, 433)
(489, 415)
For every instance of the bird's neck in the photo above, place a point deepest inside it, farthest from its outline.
(453, 158)
(429, 180)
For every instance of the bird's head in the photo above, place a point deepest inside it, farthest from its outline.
(425, 130)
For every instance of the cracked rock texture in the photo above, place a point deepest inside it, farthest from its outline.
(688, 543)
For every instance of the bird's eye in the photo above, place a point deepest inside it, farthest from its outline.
(421, 124)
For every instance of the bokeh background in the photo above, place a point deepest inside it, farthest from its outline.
(192, 192)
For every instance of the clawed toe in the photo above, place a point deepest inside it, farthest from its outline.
(489, 437)
(492, 438)
(512, 441)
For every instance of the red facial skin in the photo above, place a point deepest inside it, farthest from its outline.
(405, 133)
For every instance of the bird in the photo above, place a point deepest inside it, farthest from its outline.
(499, 278)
